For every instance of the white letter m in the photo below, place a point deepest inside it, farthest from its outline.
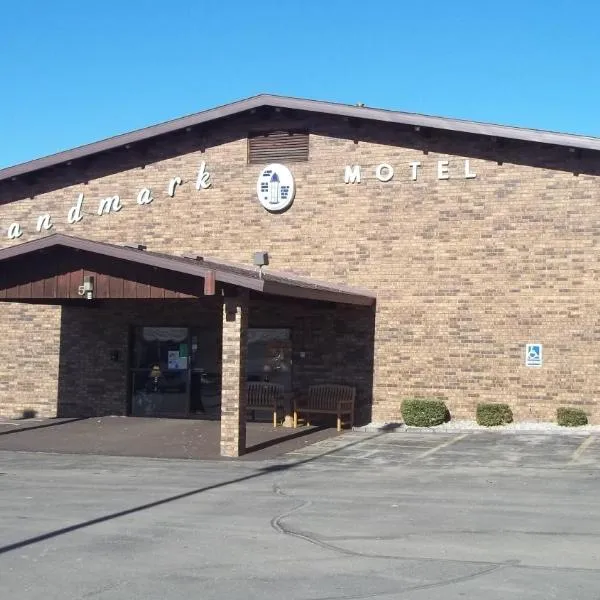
(352, 174)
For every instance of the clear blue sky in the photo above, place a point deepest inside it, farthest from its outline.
(74, 72)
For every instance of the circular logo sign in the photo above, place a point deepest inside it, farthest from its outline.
(275, 187)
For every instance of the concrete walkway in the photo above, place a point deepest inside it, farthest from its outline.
(150, 437)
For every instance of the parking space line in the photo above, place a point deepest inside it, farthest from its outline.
(440, 446)
(581, 449)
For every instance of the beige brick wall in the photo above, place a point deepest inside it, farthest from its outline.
(29, 360)
(233, 390)
(90, 382)
(330, 344)
(466, 271)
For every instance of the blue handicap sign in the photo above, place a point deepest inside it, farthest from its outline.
(533, 355)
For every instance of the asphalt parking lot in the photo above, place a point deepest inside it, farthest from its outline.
(398, 515)
(462, 449)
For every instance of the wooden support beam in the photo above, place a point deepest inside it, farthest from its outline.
(209, 283)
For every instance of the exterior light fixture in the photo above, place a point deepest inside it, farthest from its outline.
(261, 259)
(87, 289)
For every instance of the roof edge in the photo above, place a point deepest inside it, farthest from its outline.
(281, 284)
(317, 106)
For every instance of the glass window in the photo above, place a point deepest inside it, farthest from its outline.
(270, 356)
(160, 374)
(205, 360)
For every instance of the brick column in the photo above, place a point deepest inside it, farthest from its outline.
(233, 386)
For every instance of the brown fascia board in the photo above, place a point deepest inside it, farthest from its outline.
(281, 284)
(276, 282)
(284, 283)
(143, 257)
(316, 106)
(321, 293)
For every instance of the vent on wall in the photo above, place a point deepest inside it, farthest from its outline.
(277, 146)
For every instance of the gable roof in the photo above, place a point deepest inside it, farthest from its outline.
(268, 282)
(316, 106)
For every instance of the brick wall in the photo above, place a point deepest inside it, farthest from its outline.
(90, 382)
(29, 360)
(233, 389)
(330, 344)
(466, 270)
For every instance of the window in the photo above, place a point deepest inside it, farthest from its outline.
(270, 356)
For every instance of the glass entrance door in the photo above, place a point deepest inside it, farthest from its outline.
(160, 375)
(205, 364)
(270, 356)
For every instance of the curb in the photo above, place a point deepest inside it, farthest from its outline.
(505, 430)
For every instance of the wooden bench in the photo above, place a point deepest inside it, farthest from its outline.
(326, 399)
(264, 396)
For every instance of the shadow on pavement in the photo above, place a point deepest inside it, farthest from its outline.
(284, 438)
(263, 471)
(54, 423)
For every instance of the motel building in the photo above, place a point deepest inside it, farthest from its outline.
(300, 243)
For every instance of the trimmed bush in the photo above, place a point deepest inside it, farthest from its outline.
(571, 417)
(424, 412)
(491, 415)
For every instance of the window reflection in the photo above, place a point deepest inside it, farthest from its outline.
(270, 356)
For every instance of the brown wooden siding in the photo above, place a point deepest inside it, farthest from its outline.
(57, 274)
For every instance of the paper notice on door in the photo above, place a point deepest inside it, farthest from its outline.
(173, 359)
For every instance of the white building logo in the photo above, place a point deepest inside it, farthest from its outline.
(275, 187)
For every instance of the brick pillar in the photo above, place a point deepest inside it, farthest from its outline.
(233, 386)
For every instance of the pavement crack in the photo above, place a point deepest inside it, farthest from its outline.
(278, 525)
(424, 586)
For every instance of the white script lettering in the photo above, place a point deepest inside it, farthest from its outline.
(111, 203)
(74, 215)
(14, 231)
(203, 182)
(43, 222)
(145, 196)
(173, 183)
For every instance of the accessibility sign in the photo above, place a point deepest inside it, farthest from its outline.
(533, 355)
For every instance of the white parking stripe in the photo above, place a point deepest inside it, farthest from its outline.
(440, 446)
(581, 449)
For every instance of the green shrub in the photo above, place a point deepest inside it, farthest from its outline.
(424, 412)
(570, 417)
(493, 414)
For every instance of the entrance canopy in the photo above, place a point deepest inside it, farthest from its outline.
(60, 268)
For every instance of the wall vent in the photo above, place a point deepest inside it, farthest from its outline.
(277, 146)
